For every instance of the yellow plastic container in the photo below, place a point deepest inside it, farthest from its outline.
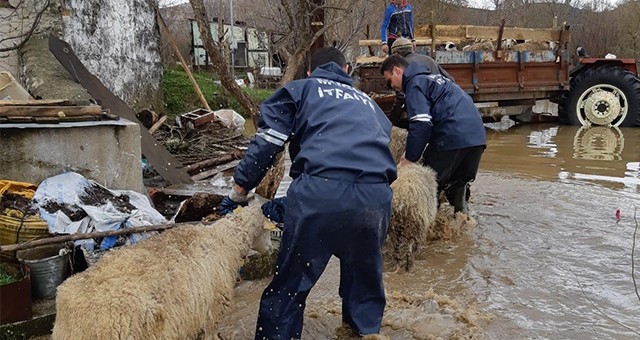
(14, 227)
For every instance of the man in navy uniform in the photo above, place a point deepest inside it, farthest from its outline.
(339, 202)
(442, 118)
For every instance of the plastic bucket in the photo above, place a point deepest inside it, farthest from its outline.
(49, 266)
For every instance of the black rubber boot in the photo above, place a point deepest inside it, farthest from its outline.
(460, 199)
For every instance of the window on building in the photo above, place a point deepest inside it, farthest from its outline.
(241, 54)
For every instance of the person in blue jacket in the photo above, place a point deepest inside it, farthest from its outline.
(397, 23)
(339, 201)
(445, 128)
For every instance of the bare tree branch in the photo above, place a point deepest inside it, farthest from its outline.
(27, 34)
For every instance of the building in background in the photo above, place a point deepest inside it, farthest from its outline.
(254, 49)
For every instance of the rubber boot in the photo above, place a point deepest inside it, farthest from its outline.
(460, 199)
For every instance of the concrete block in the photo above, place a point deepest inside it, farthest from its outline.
(108, 154)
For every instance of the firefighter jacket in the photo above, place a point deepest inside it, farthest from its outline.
(440, 113)
(334, 130)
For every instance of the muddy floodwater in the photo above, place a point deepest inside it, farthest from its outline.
(546, 260)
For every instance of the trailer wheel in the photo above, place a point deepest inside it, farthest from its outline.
(603, 95)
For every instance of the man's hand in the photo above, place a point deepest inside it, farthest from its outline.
(385, 48)
(237, 196)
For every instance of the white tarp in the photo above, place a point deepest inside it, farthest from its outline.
(71, 190)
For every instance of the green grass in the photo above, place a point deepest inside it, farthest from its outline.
(6, 277)
(180, 96)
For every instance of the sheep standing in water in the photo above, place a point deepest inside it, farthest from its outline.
(414, 212)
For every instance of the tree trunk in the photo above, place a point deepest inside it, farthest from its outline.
(220, 63)
(269, 185)
(294, 62)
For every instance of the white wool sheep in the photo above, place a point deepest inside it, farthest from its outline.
(531, 46)
(415, 206)
(508, 44)
(398, 142)
(172, 286)
(483, 45)
(450, 46)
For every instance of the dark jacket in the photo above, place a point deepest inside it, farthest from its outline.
(397, 115)
(397, 22)
(427, 61)
(440, 113)
(335, 132)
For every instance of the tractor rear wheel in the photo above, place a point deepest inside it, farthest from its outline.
(606, 95)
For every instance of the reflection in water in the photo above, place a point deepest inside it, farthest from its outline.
(598, 143)
(594, 154)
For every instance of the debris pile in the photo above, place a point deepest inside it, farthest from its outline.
(204, 147)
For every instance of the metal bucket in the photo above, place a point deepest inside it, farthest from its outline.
(49, 266)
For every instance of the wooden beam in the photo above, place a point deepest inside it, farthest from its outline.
(370, 60)
(157, 125)
(220, 168)
(176, 50)
(458, 33)
(194, 168)
(84, 236)
(50, 111)
(420, 41)
(539, 34)
(35, 102)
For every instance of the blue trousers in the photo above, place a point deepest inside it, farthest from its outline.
(326, 217)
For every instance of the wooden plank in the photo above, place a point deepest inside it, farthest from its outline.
(34, 102)
(46, 120)
(157, 125)
(370, 60)
(206, 174)
(460, 33)
(535, 34)
(176, 50)
(420, 41)
(19, 119)
(84, 236)
(50, 111)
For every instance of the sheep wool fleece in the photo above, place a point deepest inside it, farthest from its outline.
(339, 202)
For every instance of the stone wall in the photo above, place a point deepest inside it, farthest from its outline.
(117, 40)
(108, 154)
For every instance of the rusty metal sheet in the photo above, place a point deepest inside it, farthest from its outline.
(164, 162)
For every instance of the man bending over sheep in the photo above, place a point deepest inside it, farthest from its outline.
(404, 47)
(442, 118)
(339, 202)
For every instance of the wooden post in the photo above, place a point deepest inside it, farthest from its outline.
(162, 24)
(84, 236)
(432, 27)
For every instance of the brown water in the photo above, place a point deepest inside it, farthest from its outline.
(546, 260)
